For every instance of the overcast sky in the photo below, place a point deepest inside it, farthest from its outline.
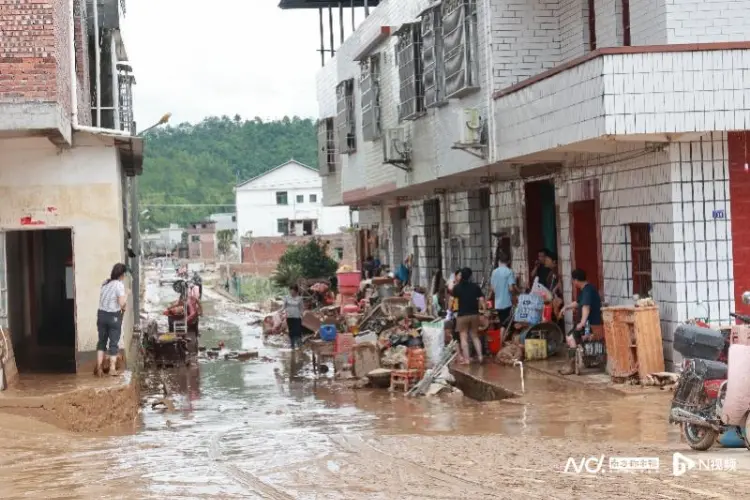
(197, 58)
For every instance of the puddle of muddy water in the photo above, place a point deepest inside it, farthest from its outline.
(238, 422)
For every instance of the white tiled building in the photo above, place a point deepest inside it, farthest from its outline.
(615, 132)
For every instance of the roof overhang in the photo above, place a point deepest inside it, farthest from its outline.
(369, 48)
(324, 4)
(131, 154)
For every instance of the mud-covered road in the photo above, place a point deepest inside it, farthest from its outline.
(268, 429)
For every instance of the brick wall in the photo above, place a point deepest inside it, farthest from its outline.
(30, 50)
(260, 256)
(696, 21)
(35, 57)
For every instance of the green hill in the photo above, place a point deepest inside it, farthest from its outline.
(200, 164)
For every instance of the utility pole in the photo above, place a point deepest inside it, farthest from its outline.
(238, 238)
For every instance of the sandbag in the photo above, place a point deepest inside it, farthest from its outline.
(737, 401)
(433, 338)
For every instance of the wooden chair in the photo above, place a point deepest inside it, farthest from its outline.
(414, 371)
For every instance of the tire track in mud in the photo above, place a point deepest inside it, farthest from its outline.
(247, 479)
(373, 457)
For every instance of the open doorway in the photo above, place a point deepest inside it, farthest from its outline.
(541, 218)
(586, 248)
(41, 299)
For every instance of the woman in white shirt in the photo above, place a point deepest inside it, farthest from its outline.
(112, 300)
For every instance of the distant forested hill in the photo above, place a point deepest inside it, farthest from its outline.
(199, 164)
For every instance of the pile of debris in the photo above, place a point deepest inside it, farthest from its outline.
(380, 335)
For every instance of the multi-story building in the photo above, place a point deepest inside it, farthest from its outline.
(202, 240)
(614, 132)
(284, 201)
(67, 151)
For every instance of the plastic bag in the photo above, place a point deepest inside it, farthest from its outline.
(433, 338)
(541, 291)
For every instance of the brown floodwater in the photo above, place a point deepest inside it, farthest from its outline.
(238, 428)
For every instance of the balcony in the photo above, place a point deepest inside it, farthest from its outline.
(646, 93)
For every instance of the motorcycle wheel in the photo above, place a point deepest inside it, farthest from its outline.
(699, 438)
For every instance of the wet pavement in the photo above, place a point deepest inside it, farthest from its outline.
(260, 429)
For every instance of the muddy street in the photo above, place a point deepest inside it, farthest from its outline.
(267, 428)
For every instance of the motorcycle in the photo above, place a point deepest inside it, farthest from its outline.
(697, 404)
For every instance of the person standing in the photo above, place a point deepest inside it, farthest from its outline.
(470, 300)
(589, 304)
(503, 281)
(293, 307)
(540, 270)
(112, 301)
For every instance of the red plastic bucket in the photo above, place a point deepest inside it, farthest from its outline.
(494, 341)
(351, 279)
(547, 313)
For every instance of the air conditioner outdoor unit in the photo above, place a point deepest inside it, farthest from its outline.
(469, 126)
(396, 146)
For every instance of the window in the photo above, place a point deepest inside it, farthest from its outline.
(339, 253)
(195, 238)
(234, 218)
(369, 87)
(591, 18)
(625, 13)
(203, 226)
(460, 46)
(409, 62)
(281, 198)
(433, 57)
(282, 226)
(300, 198)
(640, 250)
(313, 198)
(345, 116)
(327, 153)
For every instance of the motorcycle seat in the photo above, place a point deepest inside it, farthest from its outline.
(713, 370)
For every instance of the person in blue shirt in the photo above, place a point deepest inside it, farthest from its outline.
(503, 281)
(589, 304)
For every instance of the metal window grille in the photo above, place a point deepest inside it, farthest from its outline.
(459, 32)
(409, 61)
(345, 116)
(433, 57)
(640, 249)
(369, 86)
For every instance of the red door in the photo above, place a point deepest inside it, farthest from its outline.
(585, 241)
(738, 146)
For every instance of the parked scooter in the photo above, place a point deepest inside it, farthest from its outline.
(698, 399)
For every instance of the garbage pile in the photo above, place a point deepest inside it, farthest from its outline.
(378, 334)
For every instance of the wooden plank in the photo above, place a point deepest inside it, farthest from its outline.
(648, 341)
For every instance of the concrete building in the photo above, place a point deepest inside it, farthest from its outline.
(202, 241)
(615, 133)
(224, 222)
(171, 236)
(65, 168)
(287, 200)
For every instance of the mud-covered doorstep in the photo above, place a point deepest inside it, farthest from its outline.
(112, 406)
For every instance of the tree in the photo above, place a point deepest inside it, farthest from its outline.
(308, 260)
(198, 164)
(224, 240)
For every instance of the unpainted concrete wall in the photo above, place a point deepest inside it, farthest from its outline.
(44, 187)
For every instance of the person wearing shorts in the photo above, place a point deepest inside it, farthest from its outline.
(470, 300)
